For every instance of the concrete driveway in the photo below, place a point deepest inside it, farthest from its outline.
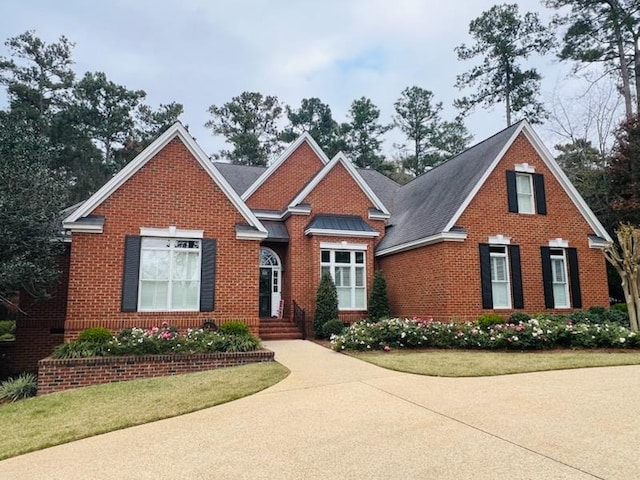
(337, 417)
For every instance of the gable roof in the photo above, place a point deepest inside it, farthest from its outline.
(384, 187)
(175, 131)
(340, 158)
(305, 137)
(429, 206)
(240, 177)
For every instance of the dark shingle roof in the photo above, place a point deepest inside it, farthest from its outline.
(384, 188)
(424, 206)
(276, 231)
(240, 177)
(352, 223)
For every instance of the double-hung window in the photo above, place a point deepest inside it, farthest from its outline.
(500, 285)
(347, 268)
(524, 192)
(559, 278)
(169, 274)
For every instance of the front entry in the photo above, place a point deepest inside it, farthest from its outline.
(270, 295)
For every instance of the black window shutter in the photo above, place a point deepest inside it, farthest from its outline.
(516, 276)
(547, 279)
(574, 278)
(512, 193)
(485, 276)
(541, 199)
(131, 272)
(208, 275)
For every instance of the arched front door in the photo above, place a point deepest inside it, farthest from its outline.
(270, 282)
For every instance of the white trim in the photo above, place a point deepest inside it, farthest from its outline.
(340, 158)
(82, 227)
(378, 216)
(524, 168)
(507, 271)
(440, 237)
(332, 265)
(250, 235)
(499, 240)
(344, 245)
(269, 215)
(565, 272)
(177, 130)
(305, 137)
(558, 243)
(549, 161)
(299, 210)
(340, 233)
(599, 244)
(170, 232)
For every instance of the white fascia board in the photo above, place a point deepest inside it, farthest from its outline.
(256, 235)
(340, 157)
(298, 210)
(421, 242)
(270, 216)
(176, 130)
(598, 243)
(566, 184)
(81, 227)
(340, 233)
(379, 216)
(305, 137)
(483, 179)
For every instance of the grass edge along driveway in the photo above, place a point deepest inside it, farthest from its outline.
(62, 417)
(479, 363)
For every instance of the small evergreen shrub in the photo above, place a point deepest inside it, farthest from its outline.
(95, 335)
(378, 300)
(619, 317)
(489, 319)
(24, 385)
(326, 304)
(518, 317)
(622, 307)
(235, 327)
(332, 327)
(7, 329)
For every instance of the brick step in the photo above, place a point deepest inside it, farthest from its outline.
(279, 330)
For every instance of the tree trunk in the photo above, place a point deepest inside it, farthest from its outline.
(624, 73)
(507, 93)
(636, 66)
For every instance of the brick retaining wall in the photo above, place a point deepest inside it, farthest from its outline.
(55, 375)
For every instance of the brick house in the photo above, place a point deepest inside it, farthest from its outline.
(176, 237)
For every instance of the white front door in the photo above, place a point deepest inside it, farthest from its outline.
(270, 283)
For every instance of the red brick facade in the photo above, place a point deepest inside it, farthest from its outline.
(452, 270)
(441, 280)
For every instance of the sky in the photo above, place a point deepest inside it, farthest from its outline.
(201, 52)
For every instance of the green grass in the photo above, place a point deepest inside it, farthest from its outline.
(465, 363)
(62, 417)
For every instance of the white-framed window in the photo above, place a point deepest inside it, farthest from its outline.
(500, 283)
(524, 192)
(169, 274)
(347, 268)
(559, 278)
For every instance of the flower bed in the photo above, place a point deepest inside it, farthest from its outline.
(542, 333)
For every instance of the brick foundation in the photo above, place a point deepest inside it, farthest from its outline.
(55, 375)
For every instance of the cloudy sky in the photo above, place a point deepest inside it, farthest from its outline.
(201, 52)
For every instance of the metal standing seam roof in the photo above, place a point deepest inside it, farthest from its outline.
(276, 231)
(351, 223)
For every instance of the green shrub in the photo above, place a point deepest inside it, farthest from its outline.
(24, 385)
(332, 327)
(618, 317)
(240, 343)
(599, 311)
(326, 304)
(80, 349)
(95, 335)
(7, 327)
(378, 300)
(622, 307)
(517, 317)
(235, 327)
(489, 319)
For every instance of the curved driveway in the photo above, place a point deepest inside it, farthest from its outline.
(338, 417)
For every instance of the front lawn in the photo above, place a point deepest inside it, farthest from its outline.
(465, 363)
(49, 420)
